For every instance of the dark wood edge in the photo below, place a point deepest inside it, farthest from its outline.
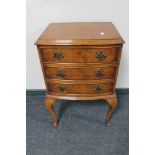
(69, 65)
(79, 81)
(80, 97)
(36, 92)
(84, 81)
(80, 42)
(80, 46)
(80, 65)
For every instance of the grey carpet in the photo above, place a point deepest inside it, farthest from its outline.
(81, 129)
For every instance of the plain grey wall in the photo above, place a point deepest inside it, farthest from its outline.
(42, 12)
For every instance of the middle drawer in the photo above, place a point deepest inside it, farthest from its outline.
(79, 73)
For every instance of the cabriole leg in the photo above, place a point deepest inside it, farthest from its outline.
(49, 103)
(112, 107)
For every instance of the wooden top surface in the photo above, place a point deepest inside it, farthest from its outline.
(96, 33)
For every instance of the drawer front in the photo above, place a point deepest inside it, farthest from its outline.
(80, 88)
(87, 73)
(100, 55)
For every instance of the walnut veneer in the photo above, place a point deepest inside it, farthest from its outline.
(80, 61)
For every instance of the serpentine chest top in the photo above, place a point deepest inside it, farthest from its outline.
(80, 61)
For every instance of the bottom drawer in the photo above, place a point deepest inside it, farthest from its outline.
(80, 88)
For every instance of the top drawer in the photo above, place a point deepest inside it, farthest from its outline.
(82, 55)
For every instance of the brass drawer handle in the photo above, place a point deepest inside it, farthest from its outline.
(58, 55)
(98, 89)
(61, 74)
(61, 88)
(99, 74)
(101, 56)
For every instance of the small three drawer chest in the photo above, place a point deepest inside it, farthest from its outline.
(80, 61)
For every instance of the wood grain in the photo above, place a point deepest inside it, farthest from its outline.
(80, 34)
(83, 73)
(80, 61)
(76, 55)
(80, 88)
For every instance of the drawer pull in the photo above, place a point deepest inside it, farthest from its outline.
(101, 56)
(58, 55)
(99, 74)
(98, 89)
(61, 74)
(61, 88)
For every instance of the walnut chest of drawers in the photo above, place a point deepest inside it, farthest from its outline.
(80, 61)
